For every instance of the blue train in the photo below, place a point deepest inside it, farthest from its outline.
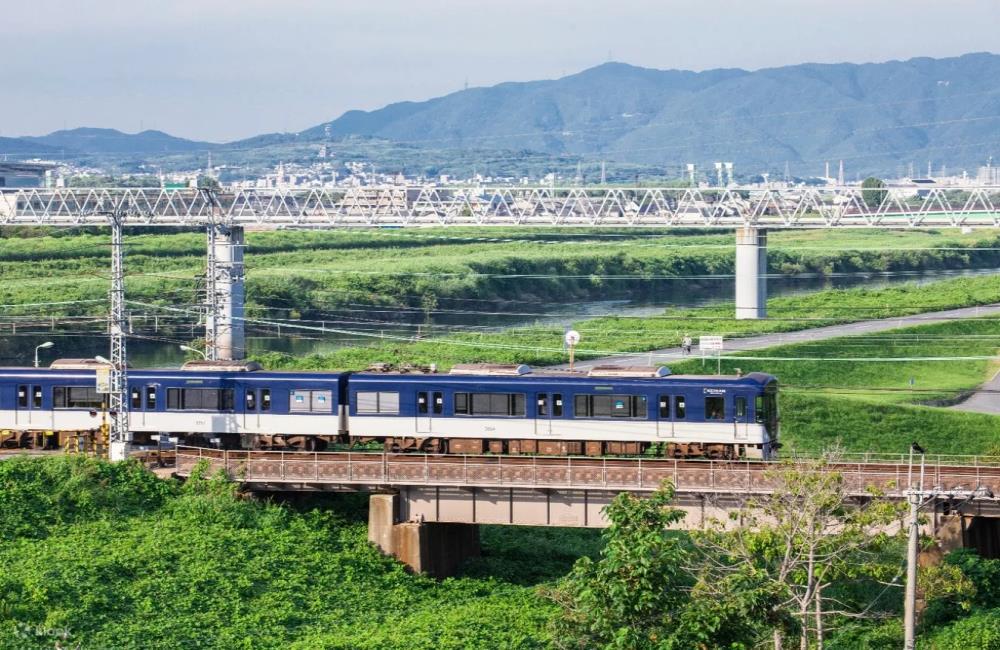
(474, 409)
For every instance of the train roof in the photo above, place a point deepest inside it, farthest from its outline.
(548, 377)
(494, 374)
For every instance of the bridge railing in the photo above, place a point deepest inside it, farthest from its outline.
(636, 474)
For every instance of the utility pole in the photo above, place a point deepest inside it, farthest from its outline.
(912, 547)
(918, 497)
(120, 436)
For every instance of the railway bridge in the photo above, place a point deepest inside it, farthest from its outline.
(425, 509)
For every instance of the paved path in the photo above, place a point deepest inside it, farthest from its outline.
(986, 399)
(801, 336)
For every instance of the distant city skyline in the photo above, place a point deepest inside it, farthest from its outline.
(225, 70)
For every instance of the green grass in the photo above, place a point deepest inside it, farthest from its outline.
(302, 273)
(541, 345)
(863, 405)
(196, 567)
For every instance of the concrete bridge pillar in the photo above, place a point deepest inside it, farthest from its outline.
(225, 332)
(751, 273)
(432, 548)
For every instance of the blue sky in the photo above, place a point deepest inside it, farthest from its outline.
(225, 69)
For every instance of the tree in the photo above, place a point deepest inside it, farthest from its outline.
(641, 594)
(809, 534)
(206, 182)
(872, 192)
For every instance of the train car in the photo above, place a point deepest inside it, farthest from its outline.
(225, 404)
(512, 410)
(474, 409)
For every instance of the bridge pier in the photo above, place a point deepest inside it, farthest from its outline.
(432, 548)
(225, 331)
(751, 273)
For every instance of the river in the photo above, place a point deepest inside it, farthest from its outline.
(360, 324)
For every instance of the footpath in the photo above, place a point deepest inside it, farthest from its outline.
(986, 399)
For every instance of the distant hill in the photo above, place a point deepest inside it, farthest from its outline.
(105, 141)
(21, 147)
(874, 116)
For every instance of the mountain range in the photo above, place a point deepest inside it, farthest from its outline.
(875, 116)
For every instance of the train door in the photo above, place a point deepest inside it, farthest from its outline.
(149, 396)
(741, 420)
(251, 410)
(664, 420)
(29, 408)
(137, 416)
(22, 412)
(543, 414)
(430, 404)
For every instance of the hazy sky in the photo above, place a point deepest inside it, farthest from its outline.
(225, 69)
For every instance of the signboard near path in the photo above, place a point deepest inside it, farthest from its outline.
(710, 344)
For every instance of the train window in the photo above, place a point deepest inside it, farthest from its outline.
(251, 399)
(136, 397)
(22, 396)
(679, 408)
(557, 405)
(150, 398)
(543, 404)
(200, 399)
(310, 401)
(610, 406)
(36, 397)
(664, 407)
(438, 403)
(265, 399)
(322, 401)
(76, 397)
(715, 408)
(503, 404)
(378, 402)
(422, 402)
(741, 407)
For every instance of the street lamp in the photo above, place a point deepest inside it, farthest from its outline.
(46, 345)
(100, 359)
(188, 348)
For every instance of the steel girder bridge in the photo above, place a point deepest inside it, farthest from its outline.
(914, 206)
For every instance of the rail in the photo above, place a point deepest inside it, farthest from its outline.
(636, 474)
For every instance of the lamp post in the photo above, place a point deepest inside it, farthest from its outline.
(43, 346)
(188, 348)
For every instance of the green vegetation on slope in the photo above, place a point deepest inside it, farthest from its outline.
(299, 273)
(120, 559)
(864, 405)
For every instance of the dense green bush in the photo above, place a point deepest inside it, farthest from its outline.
(135, 562)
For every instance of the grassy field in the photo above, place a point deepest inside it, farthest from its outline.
(302, 273)
(851, 391)
(541, 345)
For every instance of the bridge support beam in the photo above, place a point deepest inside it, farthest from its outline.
(225, 333)
(435, 549)
(751, 273)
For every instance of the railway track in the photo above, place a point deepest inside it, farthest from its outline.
(639, 474)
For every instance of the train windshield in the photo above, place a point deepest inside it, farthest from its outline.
(767, 409)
